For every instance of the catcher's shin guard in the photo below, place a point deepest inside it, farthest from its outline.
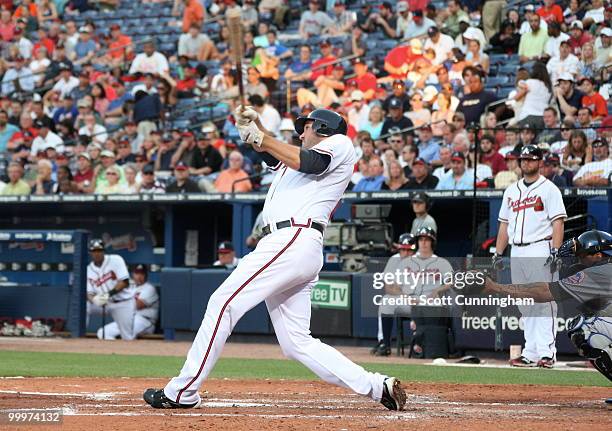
(591, 337)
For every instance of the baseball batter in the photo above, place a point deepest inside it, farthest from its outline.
(146, 308)
(531, 220)
(284, 267)
(108, 287)
(589, 283)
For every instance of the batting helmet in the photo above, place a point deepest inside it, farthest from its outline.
(530, 152)
(96, 244)
(590, 242)
(325, 123)
(428, 232)
(406, 241)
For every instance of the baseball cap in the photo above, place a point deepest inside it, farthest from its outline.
(433, 30)
(576, 24)
(359, 60)
(96, 244)
(39, 124)
(225, 247)
(598, 143)
(107, 153)
(357, 96)
(63, 66)
(417, 13)
(83, 103)
(529, 127)
(115, 27)
(586, 78)
(464, 19)
(420, 161)
(551, 159)
(395, 103)
(399, 83)
(324, 43)
(420, 197)
(565, 76)
(386, 5)
(181, 166)
(416, 46)
(85, 155)
(458, 155)
(140, 268)
(84, 29)
(402, 6)
(148, 169)
(530, 8)
(606, 32)
(94, 146)
(512, 155)
(187, 133)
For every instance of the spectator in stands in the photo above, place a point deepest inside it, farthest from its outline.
(67, 81)
(150, 61)
(300, 69)
(454, 14)
(401, 59)
(131, 171)
(147, 111)
(111, 185)
(17, 78)
(569, 98)
(563, 64)
(565, 134)
(533, 42)
(359, 111)
(555, 37)
(124, 153)
(419, 25)
(206, 159)
(268, 115)
(528, 135)
(44, 185)
(85, 48)
(598, 172)
(536, 92)
(592, 99)
(95, 131)
(374, 122)
(234, 178)
(578, 37)
(193, 14)
(343, 20)
(550, 12)
(46, 11)
(254, 84)
(374, 178)
(395, 118)
(195, 45)
(16, 184)
(226, 256)
(396, 179)
(7, 130)
(595, 14)
(551, 122)
(45, 139)
(476, 56)
(507, 40)
(585, 121)
(489, 156)
(445, 160)
(84, 174)
(329, 89)
(421, 177)
(383, 20)
(148, 182)
(603, 47)
(577, 153)
(458, 179)
(588, 65)
(442, 45)
(549, 169)
(314, 22)
(182, 183)
(512, 174)
(429, 149)
(473, 105)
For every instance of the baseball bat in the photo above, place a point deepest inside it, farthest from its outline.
(234, 25)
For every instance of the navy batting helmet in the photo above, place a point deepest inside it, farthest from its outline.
(406, 241)
(325, 123)
(590, 242)
(96, 244)
(530, 152)
(427, 232)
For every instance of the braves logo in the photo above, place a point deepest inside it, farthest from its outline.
(534, 202)
(576, 278)
(106, 277)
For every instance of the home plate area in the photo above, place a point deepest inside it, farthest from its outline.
(116, 403)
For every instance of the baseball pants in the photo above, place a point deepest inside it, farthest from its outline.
(141, 326)
(281, 271)
(527, 265)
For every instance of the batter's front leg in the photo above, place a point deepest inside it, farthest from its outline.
(290, 315)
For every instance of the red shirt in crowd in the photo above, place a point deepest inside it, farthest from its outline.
(47, 43)
(399, 56)
(327, 71)
(576, 44)
(7, 31)
(553, 14)
(116, 49)
(495, 161)
(597, 104)
(82, 177)
(367, 82)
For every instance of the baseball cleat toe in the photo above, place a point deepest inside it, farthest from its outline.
(394, 396)
(157, 399)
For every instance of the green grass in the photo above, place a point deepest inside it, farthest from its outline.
(40, 364)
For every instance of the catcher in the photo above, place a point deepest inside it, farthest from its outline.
(589, 281)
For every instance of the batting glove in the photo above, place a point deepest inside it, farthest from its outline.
(101, 299)
(244, 115)
(250, 133)
(553, 261)
(497, 262)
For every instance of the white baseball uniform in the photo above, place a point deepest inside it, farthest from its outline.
(144, 319)
(530, 212)
(282, 271)
(102, 279)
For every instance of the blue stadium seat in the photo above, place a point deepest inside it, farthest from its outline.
(497, 80)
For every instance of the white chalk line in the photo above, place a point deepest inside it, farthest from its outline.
(92, 396)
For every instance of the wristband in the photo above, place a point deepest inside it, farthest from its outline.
(112, 292)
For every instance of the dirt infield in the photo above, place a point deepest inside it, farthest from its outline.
(111, 403)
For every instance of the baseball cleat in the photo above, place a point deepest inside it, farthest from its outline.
(157, 399)
(522, 362)
(546, 362)
(394, 396)
(374, 349)
(383, 351)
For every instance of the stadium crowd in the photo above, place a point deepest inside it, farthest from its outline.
(90, 104)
